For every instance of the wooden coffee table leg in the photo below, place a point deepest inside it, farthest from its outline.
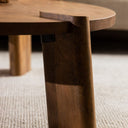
(69, 80)
(20, 54)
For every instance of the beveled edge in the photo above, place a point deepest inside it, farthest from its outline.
(95, 25)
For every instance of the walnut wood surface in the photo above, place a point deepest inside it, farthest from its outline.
(4, 1)
(75, 20)
(67, 61)
(20, 54)
(22, 16)
(69, 81)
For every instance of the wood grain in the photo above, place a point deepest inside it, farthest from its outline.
(75, 20)
(67, 61)
(4, 1)
(22, 16)
(69, 81)
(20, 54)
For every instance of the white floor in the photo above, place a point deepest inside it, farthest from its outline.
(22, 99)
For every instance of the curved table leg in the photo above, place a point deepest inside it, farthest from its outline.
(20, 54)
(69, 82)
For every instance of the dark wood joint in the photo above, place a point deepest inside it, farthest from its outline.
(4, 1)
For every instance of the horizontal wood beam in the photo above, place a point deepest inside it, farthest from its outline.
(34, 28)
(4, 1)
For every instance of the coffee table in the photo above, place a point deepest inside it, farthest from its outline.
(64, 28)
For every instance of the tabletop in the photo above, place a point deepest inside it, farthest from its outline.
(22, 16)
